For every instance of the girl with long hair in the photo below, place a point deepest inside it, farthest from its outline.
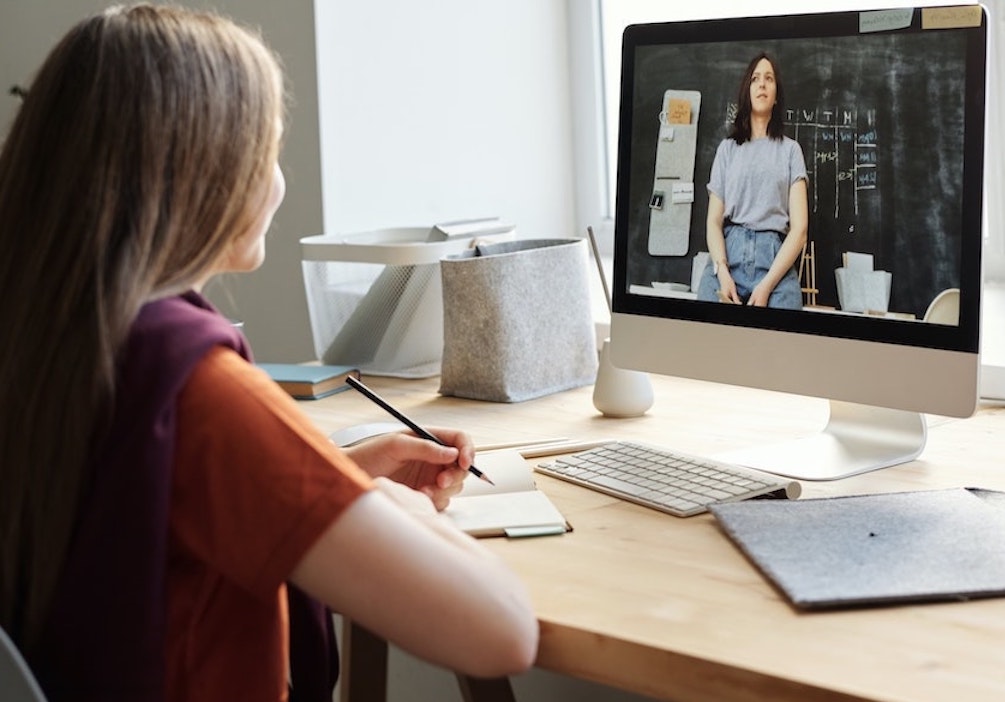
(172, 526)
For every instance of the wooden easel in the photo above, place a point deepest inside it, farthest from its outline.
(808, 274)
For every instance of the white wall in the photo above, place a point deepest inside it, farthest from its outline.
(438, 111)
(994, 252)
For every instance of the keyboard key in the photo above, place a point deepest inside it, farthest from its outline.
(620, 485)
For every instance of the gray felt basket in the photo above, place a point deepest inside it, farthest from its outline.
(517, 320)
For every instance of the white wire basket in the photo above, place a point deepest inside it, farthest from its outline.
(375, 298)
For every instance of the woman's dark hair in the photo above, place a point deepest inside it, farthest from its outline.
(740, 131)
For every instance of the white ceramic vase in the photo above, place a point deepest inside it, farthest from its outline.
(618, 392)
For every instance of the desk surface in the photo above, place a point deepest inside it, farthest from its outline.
(668, 607)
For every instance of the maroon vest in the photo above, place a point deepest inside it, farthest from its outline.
(104, 636)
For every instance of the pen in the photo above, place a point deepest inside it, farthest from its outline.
(358, 385)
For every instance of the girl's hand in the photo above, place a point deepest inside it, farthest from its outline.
(434, 470)
(727, 287)
(759, 297)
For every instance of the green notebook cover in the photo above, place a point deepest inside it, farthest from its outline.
(309, 382)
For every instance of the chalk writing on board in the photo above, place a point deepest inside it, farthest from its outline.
(841, 148)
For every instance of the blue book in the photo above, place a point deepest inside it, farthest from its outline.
(309, 382)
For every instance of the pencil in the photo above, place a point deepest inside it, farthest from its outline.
(390, 409)
(519, 445)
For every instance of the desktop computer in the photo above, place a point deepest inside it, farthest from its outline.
(886, 110)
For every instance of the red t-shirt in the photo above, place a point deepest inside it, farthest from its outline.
(255, 484)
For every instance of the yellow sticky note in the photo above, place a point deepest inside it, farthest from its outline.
(951, 17)
(678, 111)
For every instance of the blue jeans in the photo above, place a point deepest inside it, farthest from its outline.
(750, 255)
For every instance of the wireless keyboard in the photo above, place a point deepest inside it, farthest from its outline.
(669, 481)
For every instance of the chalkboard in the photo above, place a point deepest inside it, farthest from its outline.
(880, 120)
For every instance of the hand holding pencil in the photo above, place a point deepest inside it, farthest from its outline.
(408, 422)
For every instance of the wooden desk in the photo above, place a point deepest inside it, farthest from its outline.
(668, 607)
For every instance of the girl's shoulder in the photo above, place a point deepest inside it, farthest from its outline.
(790, 145)
(726, 147)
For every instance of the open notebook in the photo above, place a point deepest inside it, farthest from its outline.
(514, 507)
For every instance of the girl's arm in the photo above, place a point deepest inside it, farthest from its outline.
(717, 248)
(393, 564)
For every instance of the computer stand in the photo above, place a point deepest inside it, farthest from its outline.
(856, 439)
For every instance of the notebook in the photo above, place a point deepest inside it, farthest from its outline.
(875, 549)
(513, 507)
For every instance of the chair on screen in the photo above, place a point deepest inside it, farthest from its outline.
(17, 684)
(945, 308)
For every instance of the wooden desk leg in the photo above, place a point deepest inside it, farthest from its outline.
(364, 665)
(482, 690)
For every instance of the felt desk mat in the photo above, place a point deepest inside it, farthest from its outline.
(875, 549)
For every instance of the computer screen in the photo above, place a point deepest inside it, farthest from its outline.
(841, 158)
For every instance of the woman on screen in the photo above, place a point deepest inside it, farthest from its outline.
(172, 525)
(757, 205)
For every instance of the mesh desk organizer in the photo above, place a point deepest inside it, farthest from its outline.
(375, 298)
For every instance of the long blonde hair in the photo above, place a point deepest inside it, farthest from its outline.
(145, 145)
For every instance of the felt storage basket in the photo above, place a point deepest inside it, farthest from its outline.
(517, 320)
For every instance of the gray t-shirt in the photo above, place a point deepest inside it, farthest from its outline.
(753, 180)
